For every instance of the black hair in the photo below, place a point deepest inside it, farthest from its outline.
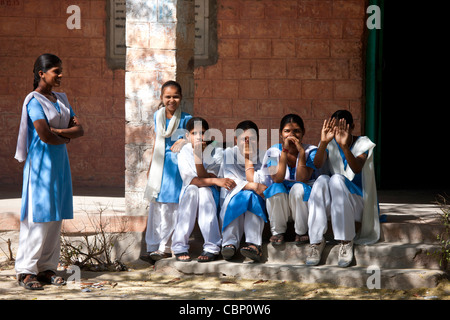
(190, 124)
(292, 118)
(343, 114)
(245, 125)
(44, 63)
(171, 83)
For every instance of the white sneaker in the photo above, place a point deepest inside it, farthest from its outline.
(345, 254)
(315, 253)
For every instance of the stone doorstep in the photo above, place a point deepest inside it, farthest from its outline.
(350, 277)
(382, 254)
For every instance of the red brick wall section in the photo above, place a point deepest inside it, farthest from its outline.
(96, 93)
(278, 57)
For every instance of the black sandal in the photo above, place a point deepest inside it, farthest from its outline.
(50, 277)
(252, 251)
(208, 255)
(30, 283)
(277, 239)
(183, 254)
(158, 255)
(228, 251)
(301, 239)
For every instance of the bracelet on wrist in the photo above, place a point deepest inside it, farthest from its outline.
(249, 168)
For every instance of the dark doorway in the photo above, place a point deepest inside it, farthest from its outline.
(415, 131)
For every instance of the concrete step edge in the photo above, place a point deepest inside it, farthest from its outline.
(350, 277)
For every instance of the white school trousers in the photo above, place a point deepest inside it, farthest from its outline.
(248, 223)
(160, 224)
(39, 243)
(195, 201)
(283, 207)
(330, 198)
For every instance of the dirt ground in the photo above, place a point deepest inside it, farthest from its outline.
(143, 283)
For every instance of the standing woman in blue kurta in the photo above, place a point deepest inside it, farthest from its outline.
(47, 124)
(164, 180)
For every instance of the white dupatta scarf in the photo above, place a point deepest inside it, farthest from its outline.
(58, 120)
(156, 170)
(370, 224)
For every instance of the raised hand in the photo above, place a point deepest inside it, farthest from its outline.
(328, 130)
(342, 133)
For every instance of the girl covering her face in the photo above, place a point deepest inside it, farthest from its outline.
(290, 173)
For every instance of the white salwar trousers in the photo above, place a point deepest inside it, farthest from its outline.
(331, 199)
(283, 207)
(248, 223)
(160, 225)
(39, 243)
(195, 201)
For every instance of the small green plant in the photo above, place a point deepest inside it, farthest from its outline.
(443, 253)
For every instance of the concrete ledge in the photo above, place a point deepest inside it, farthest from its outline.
(385, 255)
(349, 277)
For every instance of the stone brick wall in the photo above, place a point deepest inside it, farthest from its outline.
(96, 93)
(278, 57)
(274, 57)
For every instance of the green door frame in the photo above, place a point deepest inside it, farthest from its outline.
(374, 68)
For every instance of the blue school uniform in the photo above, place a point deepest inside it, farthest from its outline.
(171, 182)
(47, 169)
(273, 156)
(239, 201)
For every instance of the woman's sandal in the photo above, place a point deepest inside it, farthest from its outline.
(207, 257)
(252, 251)
(301, 239)
(29, 281)
(50, 277)
(277, 239)
(179, 256)
(228, 251)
